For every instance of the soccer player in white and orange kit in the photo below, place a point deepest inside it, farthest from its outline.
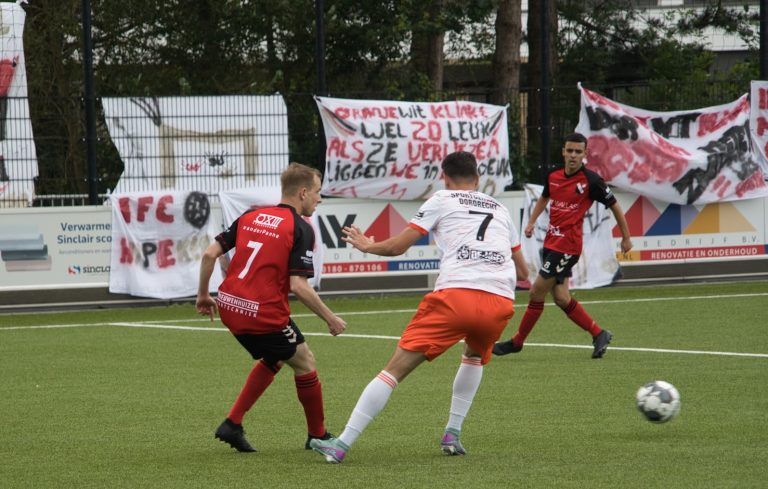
(480, 257)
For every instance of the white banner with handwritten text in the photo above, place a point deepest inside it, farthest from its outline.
(393, 150)
(685, 157)
(158, 239)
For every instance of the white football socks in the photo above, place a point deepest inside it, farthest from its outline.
(465, 386)
(371, 402)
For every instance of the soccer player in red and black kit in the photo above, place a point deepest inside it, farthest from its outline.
(571, 190)
(273, 256)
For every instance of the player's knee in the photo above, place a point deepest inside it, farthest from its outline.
(303, 361)
(562, 301)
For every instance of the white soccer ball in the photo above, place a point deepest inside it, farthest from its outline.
(659, 401)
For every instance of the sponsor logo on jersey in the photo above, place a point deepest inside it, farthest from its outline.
(466, 253)
(554, 230)
(233, 303)
(561, 204)
(268, 221)
(474, 200)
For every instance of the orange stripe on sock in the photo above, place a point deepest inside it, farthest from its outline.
(472, 361)
(387, 379)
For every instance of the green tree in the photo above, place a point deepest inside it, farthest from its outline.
(635, 48)
(658, 63)
(54, 90)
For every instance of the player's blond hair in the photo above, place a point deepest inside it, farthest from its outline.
(296, 177)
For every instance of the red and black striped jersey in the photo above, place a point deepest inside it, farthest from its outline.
(271, 244)
(570, 197)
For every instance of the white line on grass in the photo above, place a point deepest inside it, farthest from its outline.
(656, 350)
(157, 325)
(308, 315)
(150, 325)
(220, 329)
(682, 298)
(518, 305)
(53, 326)
(223, 329)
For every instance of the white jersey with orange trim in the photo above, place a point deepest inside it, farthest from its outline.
(475, 238)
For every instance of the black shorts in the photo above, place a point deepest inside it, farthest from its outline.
(273, 347)
(556, 264)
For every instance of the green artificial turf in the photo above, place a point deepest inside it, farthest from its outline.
(124, 399)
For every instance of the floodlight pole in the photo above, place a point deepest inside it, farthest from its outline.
(89, 102)
(322, 87)
(320, 47)
(763, 39)
(544, 119)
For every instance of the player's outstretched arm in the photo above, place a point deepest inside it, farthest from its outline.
(521, 267)
(308, 296)
(396, 245)
(538, 208)
(621, 220)
(205, 303)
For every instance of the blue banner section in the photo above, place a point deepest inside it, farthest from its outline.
(412, 265)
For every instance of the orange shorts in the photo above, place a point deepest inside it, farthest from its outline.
(447, 316)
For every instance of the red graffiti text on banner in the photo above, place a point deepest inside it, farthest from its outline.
(721, 185)
(656, 162)
(384, 112)
(762, 98)
(754, 182)
(408, 171)
(709, 123)
(643, 120)
(338, 148)
(348, 191)
(394, 189)
(457, 110)
(427, 131)
(428, 151)
(161, 251)
(143, 205)
(608, 156)
(599, 99)
(762, 125)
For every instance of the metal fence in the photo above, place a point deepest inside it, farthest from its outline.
(56, 135)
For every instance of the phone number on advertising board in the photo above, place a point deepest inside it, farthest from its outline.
(355, 267)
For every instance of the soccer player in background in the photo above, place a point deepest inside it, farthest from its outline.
(473, 298)
(273, 256)
(571, 189)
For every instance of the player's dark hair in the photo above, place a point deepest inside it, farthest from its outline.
(575, 137)
(296, 177)
(460, 165)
